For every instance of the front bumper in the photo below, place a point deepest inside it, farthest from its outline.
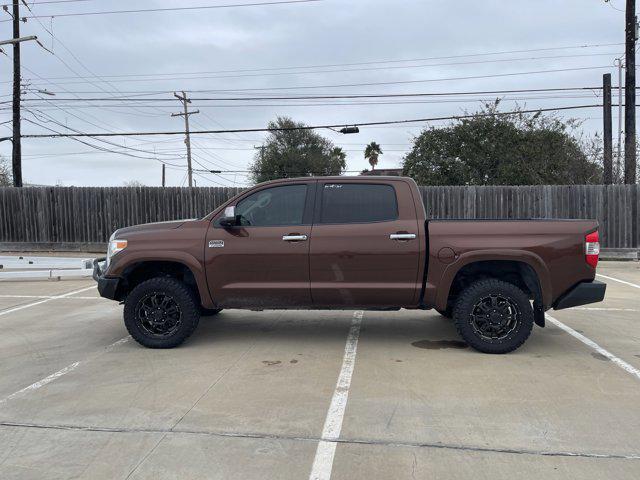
(107, 287)
(582, 294)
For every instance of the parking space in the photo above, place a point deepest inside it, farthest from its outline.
(299, 394)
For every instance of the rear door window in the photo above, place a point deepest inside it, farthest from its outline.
(358, 203)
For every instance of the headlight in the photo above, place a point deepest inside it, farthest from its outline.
(115, 246)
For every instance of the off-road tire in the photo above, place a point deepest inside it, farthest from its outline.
(209, 312)
(184, 298)
(468, 300)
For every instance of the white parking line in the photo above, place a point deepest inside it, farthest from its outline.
(41, 383)
(59, 373)
(45, 300)
(619, 362)
(323, 461)
(50, 297)
(607, 309)
(618, 280)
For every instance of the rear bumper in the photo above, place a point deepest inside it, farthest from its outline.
(107, 287)
(582, 294)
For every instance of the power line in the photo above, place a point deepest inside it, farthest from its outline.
(171, 9)
(335, 97)
(48, 100)
(396, 82)
(407, 82)
(49, 118)
(371, 62)
(197, 147)
(207, 76)
(345, 103)
(363, 124)
(79, 63)
(102, 149)
(53, 36)
(368, 84)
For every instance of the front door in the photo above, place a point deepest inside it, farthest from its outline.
(264, 261)
(365, 245)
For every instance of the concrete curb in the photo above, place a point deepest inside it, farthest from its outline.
(629, 254)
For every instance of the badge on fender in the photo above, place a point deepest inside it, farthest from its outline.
(216, 243)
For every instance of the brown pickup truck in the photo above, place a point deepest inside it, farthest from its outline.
(349, 243)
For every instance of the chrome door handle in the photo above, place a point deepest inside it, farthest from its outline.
(402, 236)
(295, 238)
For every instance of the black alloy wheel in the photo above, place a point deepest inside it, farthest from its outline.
(493, 316)
(161, 312)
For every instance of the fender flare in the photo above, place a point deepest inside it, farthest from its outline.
(174, 256)
(520, 256)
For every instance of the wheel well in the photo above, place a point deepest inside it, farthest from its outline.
(520, 274)
(140, 272)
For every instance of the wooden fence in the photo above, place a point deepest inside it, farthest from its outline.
(63, 215)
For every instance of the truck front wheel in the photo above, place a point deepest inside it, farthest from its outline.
(161, 313)
(493, 316)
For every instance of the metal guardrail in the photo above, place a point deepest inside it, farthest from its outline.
(53, 268)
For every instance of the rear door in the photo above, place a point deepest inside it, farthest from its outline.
(364, 244)
(264, 262)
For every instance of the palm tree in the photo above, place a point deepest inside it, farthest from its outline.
(371, 153)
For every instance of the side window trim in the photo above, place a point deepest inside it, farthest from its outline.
(320, 187)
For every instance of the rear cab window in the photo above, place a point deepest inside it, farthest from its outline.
(357, 203)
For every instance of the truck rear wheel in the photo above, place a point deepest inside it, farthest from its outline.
(493, 316)
(161, 313)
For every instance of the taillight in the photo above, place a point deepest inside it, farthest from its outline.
(592, 248)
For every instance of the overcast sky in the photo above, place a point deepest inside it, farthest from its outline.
(424, 46)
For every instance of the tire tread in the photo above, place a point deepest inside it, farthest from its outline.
(466, 299)
(188, 304)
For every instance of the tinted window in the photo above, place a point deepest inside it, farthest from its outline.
(358, 203)
(273, 206)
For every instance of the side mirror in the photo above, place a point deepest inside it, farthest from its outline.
(229, 218)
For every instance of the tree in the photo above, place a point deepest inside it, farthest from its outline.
(6, 179)
(295, 153)
(371, 153)
(133, 183)
(494, 149)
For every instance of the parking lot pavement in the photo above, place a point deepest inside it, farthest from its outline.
(298, 394)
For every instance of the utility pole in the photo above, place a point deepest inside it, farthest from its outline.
(163, 175)
(16, 153)
(631, 36)
(608, 134)
(619, 169)
(630, 94)
(185, 102)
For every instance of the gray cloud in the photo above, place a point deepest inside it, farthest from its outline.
(329, 32)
